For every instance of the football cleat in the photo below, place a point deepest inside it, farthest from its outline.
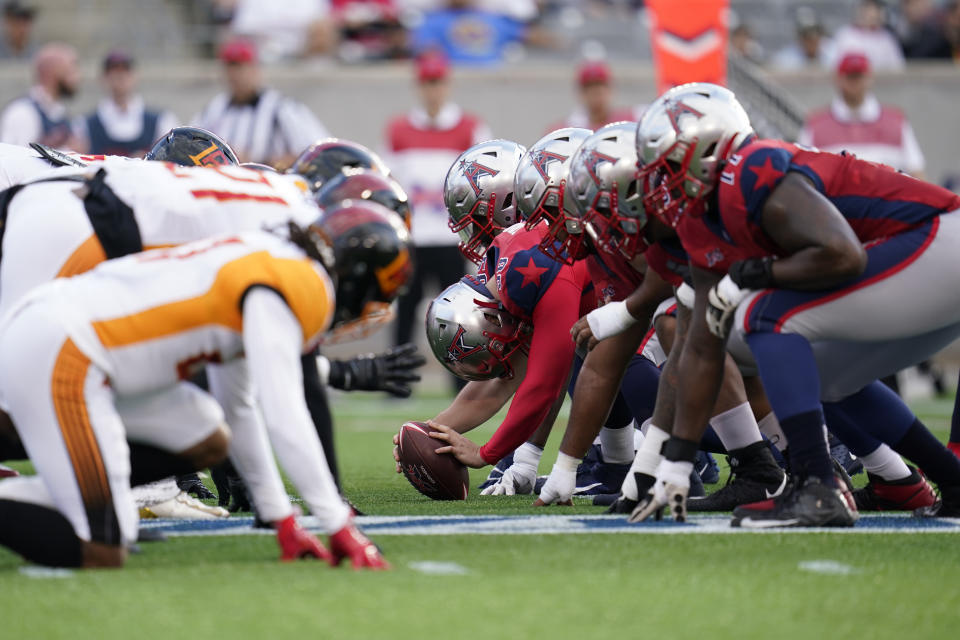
(600, 477)
(349, 544)
(7, 472)
(666, 498)
(183, 507)
(191, 483)
(948, 506)
(754, 476)
(907, 494)
(296, 543)
(810, 502)
(840, 453)
(706, 467)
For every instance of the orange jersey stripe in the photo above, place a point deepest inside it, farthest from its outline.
(305, 291)
(223, 196)
(67, 388)
(85, 257)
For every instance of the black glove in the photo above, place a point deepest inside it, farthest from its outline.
(753, 273)
(392, 371)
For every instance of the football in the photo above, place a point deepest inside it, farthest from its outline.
(437, 476)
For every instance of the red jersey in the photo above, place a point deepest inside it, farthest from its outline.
(876, 201)
(551, 296)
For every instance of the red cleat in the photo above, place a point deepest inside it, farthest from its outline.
(912, 492)
(7, 472)
(954, 447)
(349, 543)
(295, 542)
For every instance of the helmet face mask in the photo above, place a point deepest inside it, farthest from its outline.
(683, 140)
(372, 265)
(472, 335)
(604, 185)
(479, 194)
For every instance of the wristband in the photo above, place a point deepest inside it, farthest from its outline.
(753, 273)
(680, 450)
(528, 454)
(610, 319)
(566, 463)
(323, 368)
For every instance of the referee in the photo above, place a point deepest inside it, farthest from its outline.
(258, 122)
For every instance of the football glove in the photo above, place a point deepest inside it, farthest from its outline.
(609, 320)
(669, 492)
(521, 476)
(722, 302)
(391, 371)
(561, 482)
(295, 542)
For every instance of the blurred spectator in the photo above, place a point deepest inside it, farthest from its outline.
(40, 115)
(466, 33)
(121, 125)
(287, 28)
(856, 122)
(258, 122)
(811, 50)
(926, 32)
(595, 95)
(369, 30)
(868, 34)
(17, 30)
(742, 41)
(420, 147)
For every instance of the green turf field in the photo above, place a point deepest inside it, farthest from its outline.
(549, 586)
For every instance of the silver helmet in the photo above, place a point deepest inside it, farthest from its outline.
(683, 140)
(472, 335)
(540, 182)
(603, 185)
(478, 193)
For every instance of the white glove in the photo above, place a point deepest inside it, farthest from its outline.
(722, 302)
(562, 480)
(521, 476)
(610, 319)
(669, 491)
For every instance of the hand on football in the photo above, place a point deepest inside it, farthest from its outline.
(583, 335)
(396, 451)
(462, 448)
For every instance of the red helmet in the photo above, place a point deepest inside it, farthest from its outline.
(363, 184)
(327, 158)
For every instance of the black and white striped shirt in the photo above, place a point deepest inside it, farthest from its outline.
(265, 129)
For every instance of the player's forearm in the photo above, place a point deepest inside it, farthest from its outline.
(816, 268)
(596, 387)
(478, 402)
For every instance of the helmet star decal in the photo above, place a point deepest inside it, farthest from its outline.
(459, 349)
(593, 160)
(675, 109)
(473, 171)
(542, 158)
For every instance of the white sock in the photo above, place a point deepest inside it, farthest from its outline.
(646, 461)
(770, 427)
(885, 463)
(736, 428)
(616, 445)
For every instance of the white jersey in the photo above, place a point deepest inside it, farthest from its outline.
(151, 319)
(20, 165)
(174, 204)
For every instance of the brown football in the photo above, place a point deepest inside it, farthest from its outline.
(437, 476)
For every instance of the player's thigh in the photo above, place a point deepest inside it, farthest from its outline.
(46, 232)
(911, 287)
(173, 419)
(63, 409)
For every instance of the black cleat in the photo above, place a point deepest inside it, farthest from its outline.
(754, 476)
(811, 502)
(239, 500)
(948, 506)
(192, 484)
(150, 535)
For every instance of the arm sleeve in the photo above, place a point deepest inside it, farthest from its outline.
(551, 354)
(273, 340)
(249, 447)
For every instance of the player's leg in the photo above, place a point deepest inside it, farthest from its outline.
(76, 442)
(954, 443)
(315, 393)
